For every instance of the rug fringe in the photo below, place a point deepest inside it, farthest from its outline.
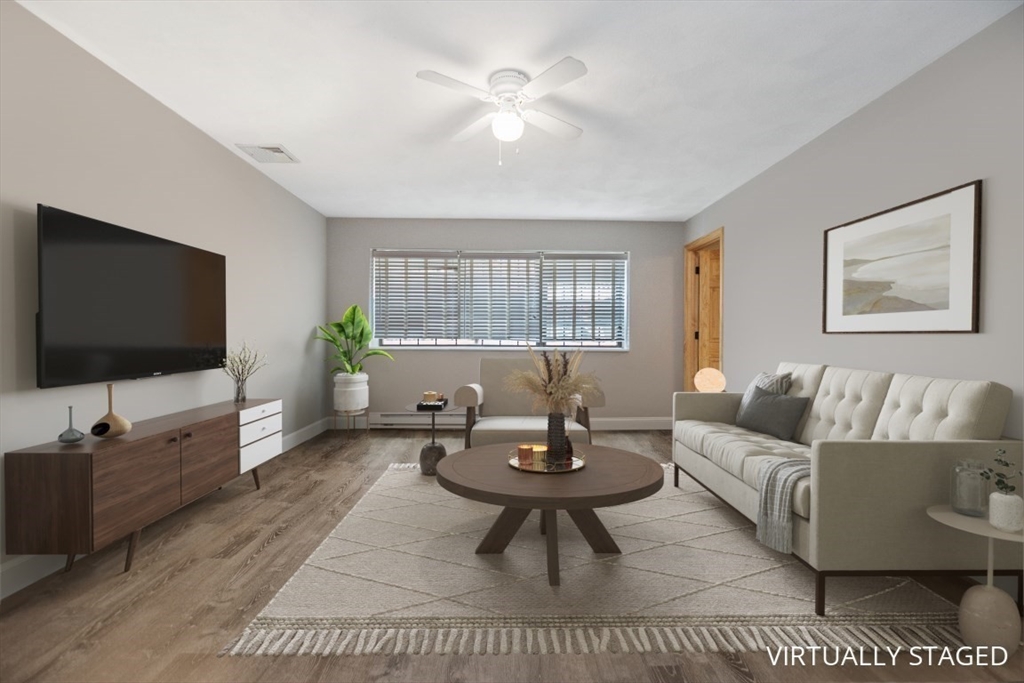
(576, 640)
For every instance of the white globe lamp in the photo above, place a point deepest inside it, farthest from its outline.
(507, 125)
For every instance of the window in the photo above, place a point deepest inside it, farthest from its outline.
(496, 299)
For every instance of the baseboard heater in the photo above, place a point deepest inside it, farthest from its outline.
(403, 420)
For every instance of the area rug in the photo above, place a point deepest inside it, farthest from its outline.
(399, 576)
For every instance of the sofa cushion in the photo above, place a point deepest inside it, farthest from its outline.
(742, 452)
(846, 406)
(924, 408)
(768, 413)
(520, 429)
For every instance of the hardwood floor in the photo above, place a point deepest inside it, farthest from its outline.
(203, 573)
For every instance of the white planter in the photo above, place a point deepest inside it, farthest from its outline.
(351, 392)
(1006, 511)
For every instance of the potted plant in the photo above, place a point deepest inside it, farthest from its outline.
(351, 337)
(1005, 510)
(557, 385)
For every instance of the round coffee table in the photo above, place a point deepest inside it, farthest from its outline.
(611, 477)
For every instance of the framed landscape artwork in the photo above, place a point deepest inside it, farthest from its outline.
(913, 268)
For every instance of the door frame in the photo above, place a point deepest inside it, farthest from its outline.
(691, 300)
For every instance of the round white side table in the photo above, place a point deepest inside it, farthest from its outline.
(988, 615)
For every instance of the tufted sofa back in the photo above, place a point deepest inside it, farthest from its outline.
(806, 380)
(846, 405)
(924, 408)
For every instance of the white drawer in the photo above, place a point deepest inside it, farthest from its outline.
(258, 452)
(257, 412)
(257, 430)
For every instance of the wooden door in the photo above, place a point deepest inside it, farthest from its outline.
(709, 324)
(209, 456)
(134, 485)
(702, 340)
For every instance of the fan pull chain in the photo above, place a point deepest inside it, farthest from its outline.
(499, 152)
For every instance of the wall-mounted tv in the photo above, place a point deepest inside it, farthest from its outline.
(118, 304)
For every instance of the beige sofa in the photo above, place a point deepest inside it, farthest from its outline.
(495, 415)
(881, 446)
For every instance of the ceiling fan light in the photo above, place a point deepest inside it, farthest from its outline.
(507, 126)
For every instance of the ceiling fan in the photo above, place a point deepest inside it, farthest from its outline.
(510, 90)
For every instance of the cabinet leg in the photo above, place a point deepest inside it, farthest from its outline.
(256, 478)
(70, 561)
(133, 542)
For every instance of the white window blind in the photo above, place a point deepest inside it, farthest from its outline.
(463, 298)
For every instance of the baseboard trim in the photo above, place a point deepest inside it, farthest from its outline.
(24, 570)
(306, 433)
(614, 424)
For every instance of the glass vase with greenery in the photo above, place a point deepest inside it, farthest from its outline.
(242, 364)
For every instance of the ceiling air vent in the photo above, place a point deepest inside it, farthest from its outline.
(269, 154)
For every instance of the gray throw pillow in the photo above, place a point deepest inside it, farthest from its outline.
(768, 413)
(776, 384)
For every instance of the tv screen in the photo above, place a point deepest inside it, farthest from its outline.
(118, 304)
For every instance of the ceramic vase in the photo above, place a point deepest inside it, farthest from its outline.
(111, 424)
(70, 435)
(556, 438)
(1006, 511)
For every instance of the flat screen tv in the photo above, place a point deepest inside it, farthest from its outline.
(119, 304)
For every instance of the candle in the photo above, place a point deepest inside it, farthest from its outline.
(540, 457)
(429, 396)
(525, 455)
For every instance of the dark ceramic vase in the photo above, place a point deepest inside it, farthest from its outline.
(557, 441)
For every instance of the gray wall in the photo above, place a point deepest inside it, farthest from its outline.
(957, 120)
(76, 135)
(638, 383)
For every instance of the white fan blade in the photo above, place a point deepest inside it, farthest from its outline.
(458, 86)
(550, 124)
(566, 71)
(474, 128)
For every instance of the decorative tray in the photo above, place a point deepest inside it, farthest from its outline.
(579, 461)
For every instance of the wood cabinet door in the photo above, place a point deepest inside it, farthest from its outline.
(209, 456)
(135, 485)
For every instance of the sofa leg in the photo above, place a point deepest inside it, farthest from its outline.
(470, 421)
(819, 594)
(1020, 592)
(675, 475)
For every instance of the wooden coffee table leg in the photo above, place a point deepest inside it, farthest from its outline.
(502, 531)
(551, 529)
(594, 531)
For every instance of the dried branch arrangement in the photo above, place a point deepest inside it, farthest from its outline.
(242, 364)
(557, 385)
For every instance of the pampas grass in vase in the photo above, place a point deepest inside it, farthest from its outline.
(559, 387)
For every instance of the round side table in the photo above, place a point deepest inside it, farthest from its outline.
(432, 452)
(988, 615)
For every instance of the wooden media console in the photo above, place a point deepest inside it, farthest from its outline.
(71, 499)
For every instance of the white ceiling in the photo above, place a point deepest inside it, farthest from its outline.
(683, 102)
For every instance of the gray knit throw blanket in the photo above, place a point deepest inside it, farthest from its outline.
(776, 482)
